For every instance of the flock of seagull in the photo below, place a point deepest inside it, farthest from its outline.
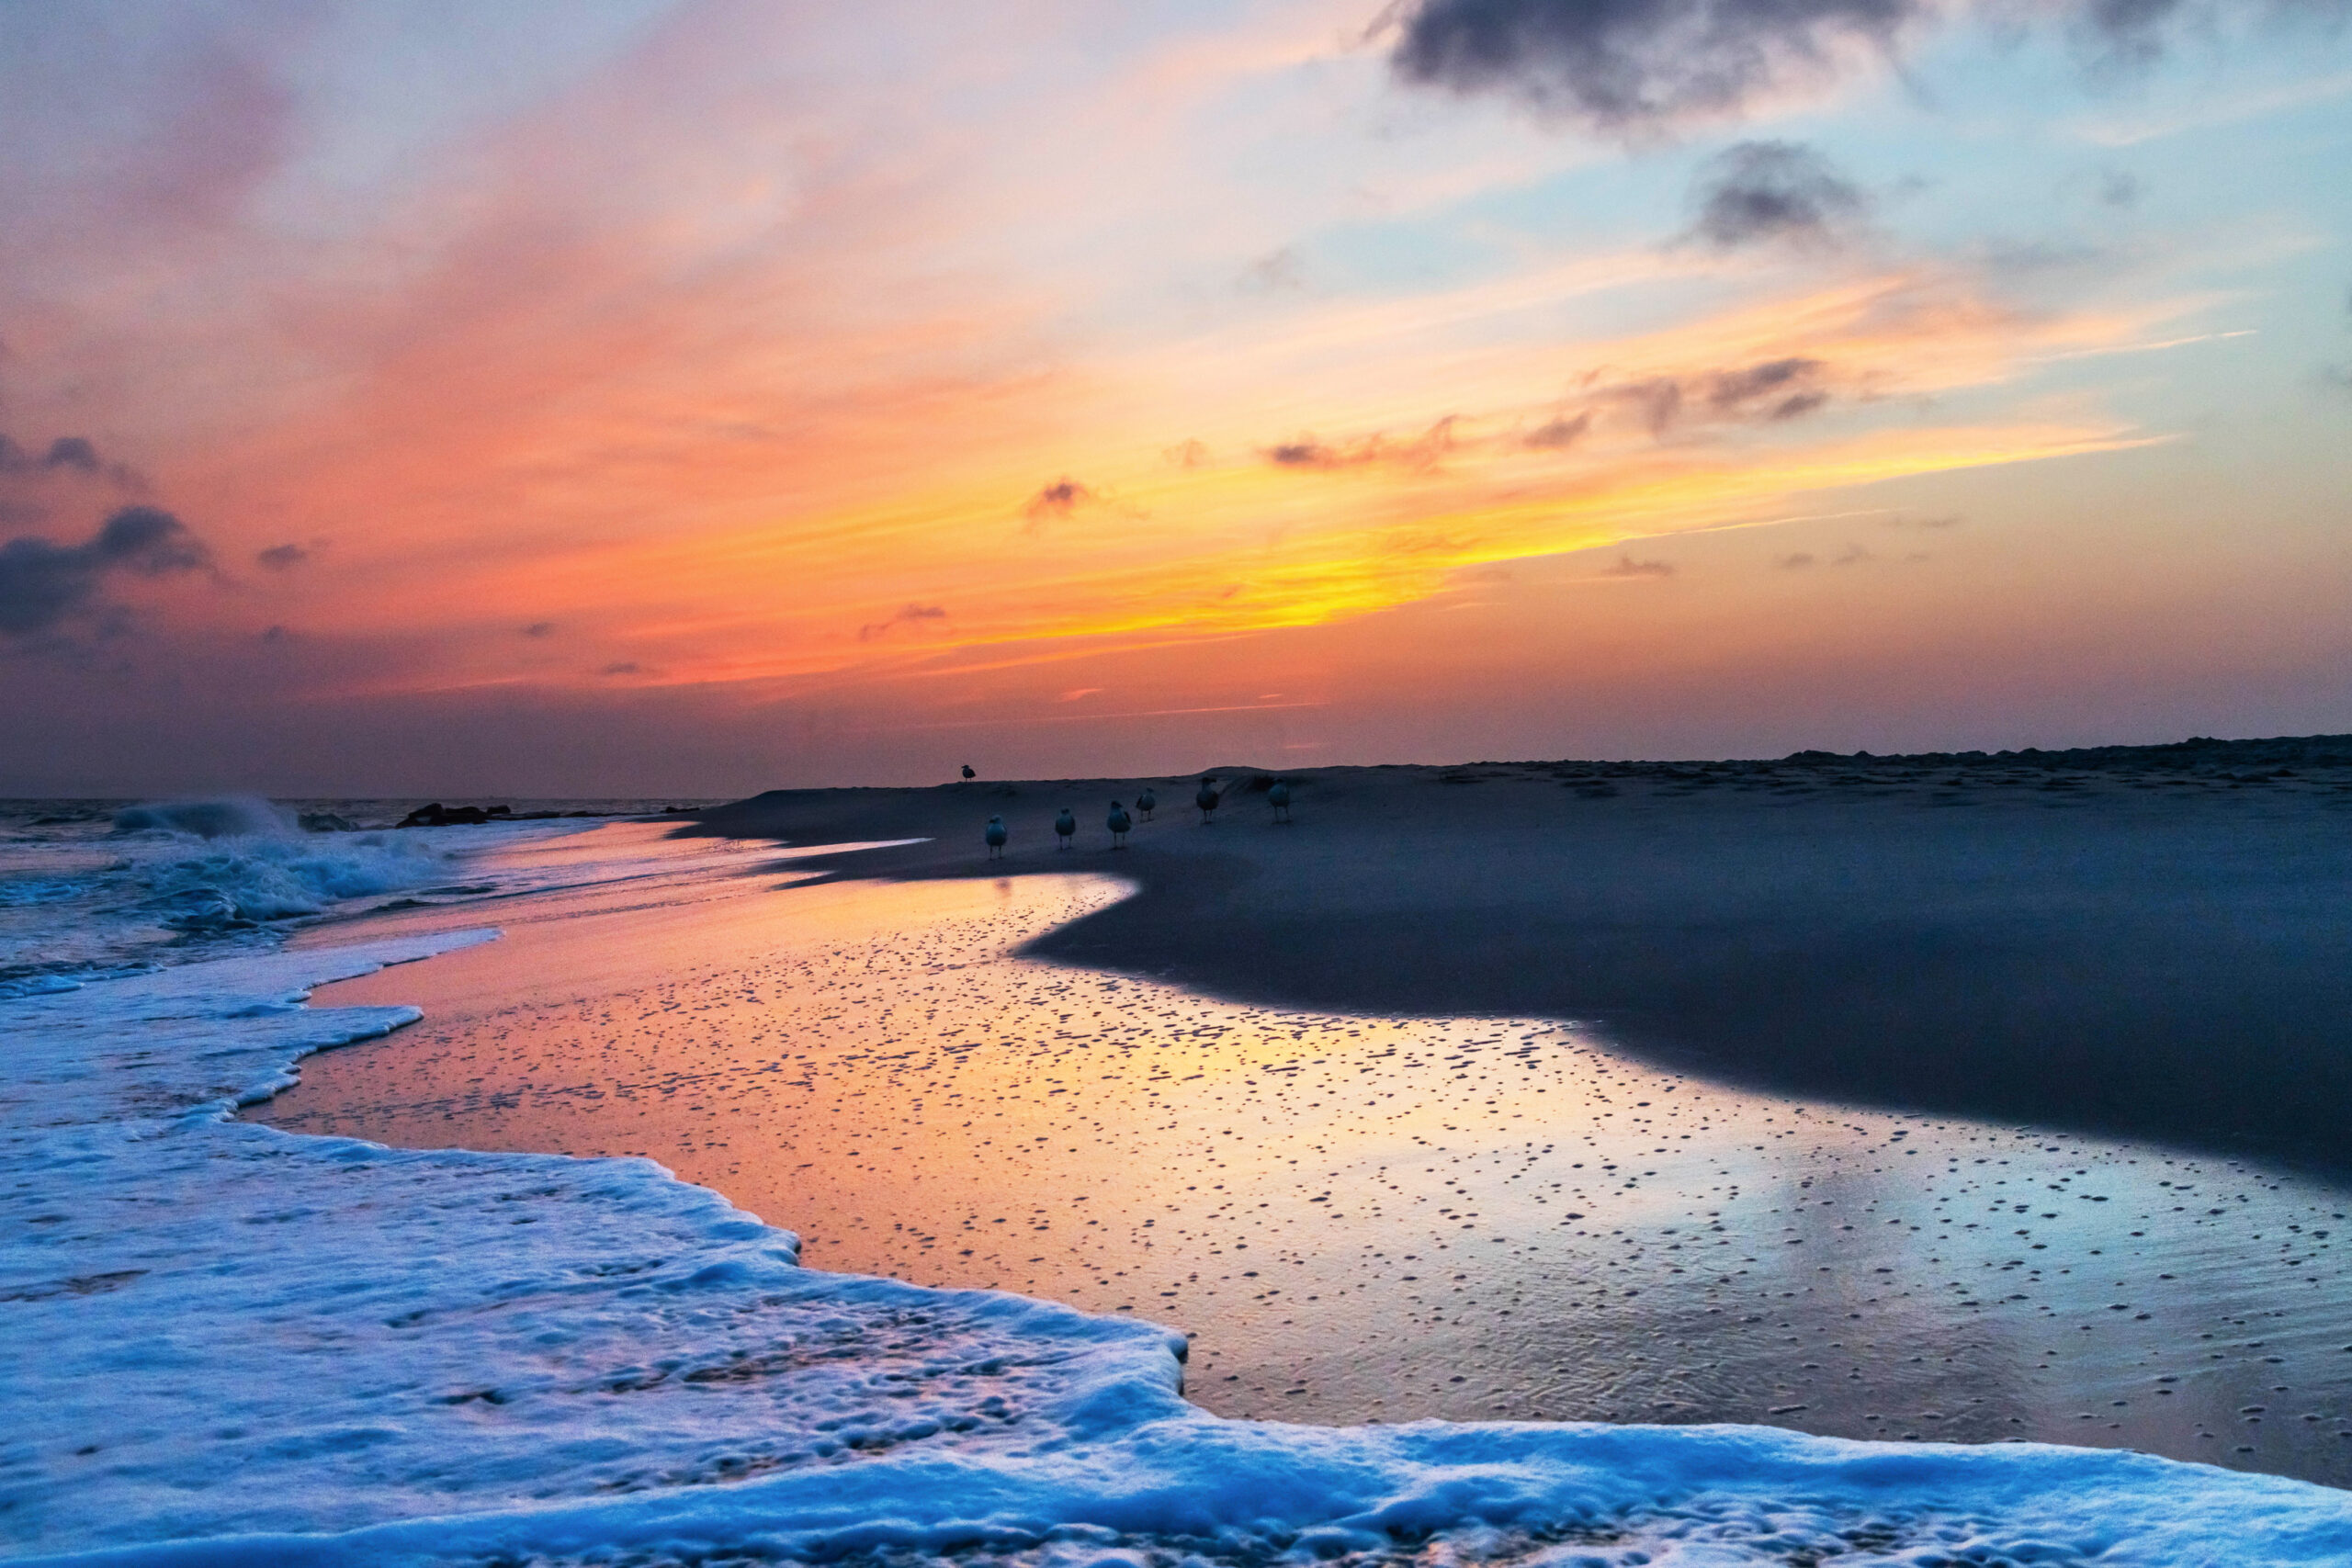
(1207, 798)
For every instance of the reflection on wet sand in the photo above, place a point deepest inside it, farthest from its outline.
(1359, 1218)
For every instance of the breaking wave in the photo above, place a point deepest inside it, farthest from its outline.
(264, 879)
(256, 865)
(226, 816)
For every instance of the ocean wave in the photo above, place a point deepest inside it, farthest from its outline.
(257, 880)
(223, 816)
(261, 862)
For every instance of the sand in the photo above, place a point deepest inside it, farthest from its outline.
(1363, 1215)
(2155, 943)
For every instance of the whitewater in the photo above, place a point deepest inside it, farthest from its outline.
(221, 1342)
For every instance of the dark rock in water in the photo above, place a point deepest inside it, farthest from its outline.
(436, 815)
(327, 822)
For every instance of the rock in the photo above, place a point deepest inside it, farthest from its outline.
(436, 815)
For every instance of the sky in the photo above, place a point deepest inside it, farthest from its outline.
(694, 397)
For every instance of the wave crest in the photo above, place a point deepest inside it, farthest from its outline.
(265, 878)
(223, 816)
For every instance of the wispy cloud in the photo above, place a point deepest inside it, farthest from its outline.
(906, 615)
(1419, 452)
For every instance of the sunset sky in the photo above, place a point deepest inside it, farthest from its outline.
(578, 399)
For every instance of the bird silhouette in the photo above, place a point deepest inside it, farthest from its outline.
(1279, 798)
(1205, 797)
(1146, 803)
(1119, 822)
(967, 771)
(996, 836)
(1064, 825)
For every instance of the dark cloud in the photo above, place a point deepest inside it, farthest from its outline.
(1423, 451)
(1637, 66)
(70, 455)
(1657, 402)
(1640, 67)
(1309, 453)
(282, 558)
(1776, 389)
(539, 628)
(1942, 521)
(1796, 562)
(72, 452)
(1628, 567)
(1764, 192)
(906, 615)
(1057, 499)
(75, 452)
(1771, 390)
(625, 667)
(1559, 433)
(276, 635)
(2118, 188)
(43, 584)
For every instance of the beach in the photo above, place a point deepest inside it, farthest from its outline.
(1293, 1050)
(1083, 1200)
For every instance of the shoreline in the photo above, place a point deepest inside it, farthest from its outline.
(1358, 1219)
(2150, 942)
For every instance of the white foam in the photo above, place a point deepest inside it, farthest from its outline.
(223, 1343)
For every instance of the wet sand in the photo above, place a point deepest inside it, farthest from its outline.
(2150, 942)
(1366, 1217)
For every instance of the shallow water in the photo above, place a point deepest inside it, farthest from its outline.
(1360, 1219)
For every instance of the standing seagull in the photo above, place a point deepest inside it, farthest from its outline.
(1205, 797)
(1064, 825)
(1279, 798)
(967, 771)
(1119, 823)
(996, 836)
(1146, 803)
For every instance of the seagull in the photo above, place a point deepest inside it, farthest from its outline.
(1205, 797)
(1064, 825)
(996, 836)
(1145, 803)
(1119, 823)
(1279, 798)
(967, 771)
